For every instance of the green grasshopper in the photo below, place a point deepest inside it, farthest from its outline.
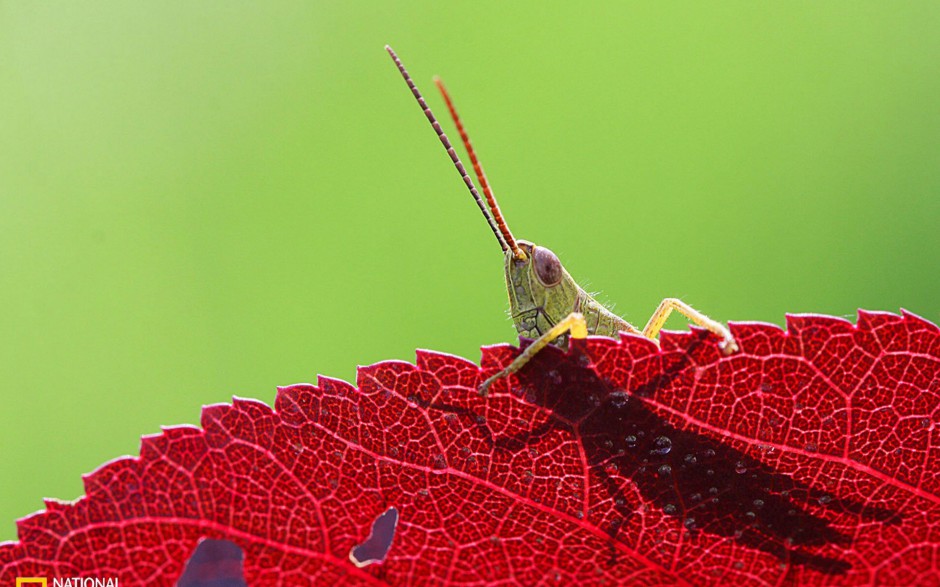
(546, 303)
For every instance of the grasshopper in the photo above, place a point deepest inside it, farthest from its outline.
(546, 304)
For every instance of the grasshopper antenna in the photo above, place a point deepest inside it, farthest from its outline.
(481, 176)
(450, 151)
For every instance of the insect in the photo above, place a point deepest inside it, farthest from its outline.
(546, 303)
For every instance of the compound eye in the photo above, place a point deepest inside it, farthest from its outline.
(547, 267)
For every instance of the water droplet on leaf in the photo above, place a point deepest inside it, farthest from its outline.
(661, 446)
(618, 399)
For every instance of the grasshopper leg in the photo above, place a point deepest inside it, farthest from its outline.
(666, 307)
(573, 323)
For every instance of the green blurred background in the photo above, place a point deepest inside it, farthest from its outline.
(206, 199)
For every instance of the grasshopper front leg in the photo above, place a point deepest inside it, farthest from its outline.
(573, 323)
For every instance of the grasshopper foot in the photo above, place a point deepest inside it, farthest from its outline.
(484, 389)
(728, 345)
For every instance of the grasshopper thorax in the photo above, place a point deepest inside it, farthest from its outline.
(541, 292)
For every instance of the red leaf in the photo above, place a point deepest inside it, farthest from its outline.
(810, 457)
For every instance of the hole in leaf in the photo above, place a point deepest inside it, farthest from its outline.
(214, 563)
(376, 546)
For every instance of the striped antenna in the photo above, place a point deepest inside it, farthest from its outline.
(481, 176)
(450, 149)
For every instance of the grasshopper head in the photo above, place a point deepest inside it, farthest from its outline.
(541, 292)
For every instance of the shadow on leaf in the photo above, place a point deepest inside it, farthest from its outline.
(707, 486)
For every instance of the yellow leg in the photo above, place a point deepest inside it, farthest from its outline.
(573, 323)
(666, 307)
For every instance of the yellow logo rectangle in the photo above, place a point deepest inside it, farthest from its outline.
(30, 582)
